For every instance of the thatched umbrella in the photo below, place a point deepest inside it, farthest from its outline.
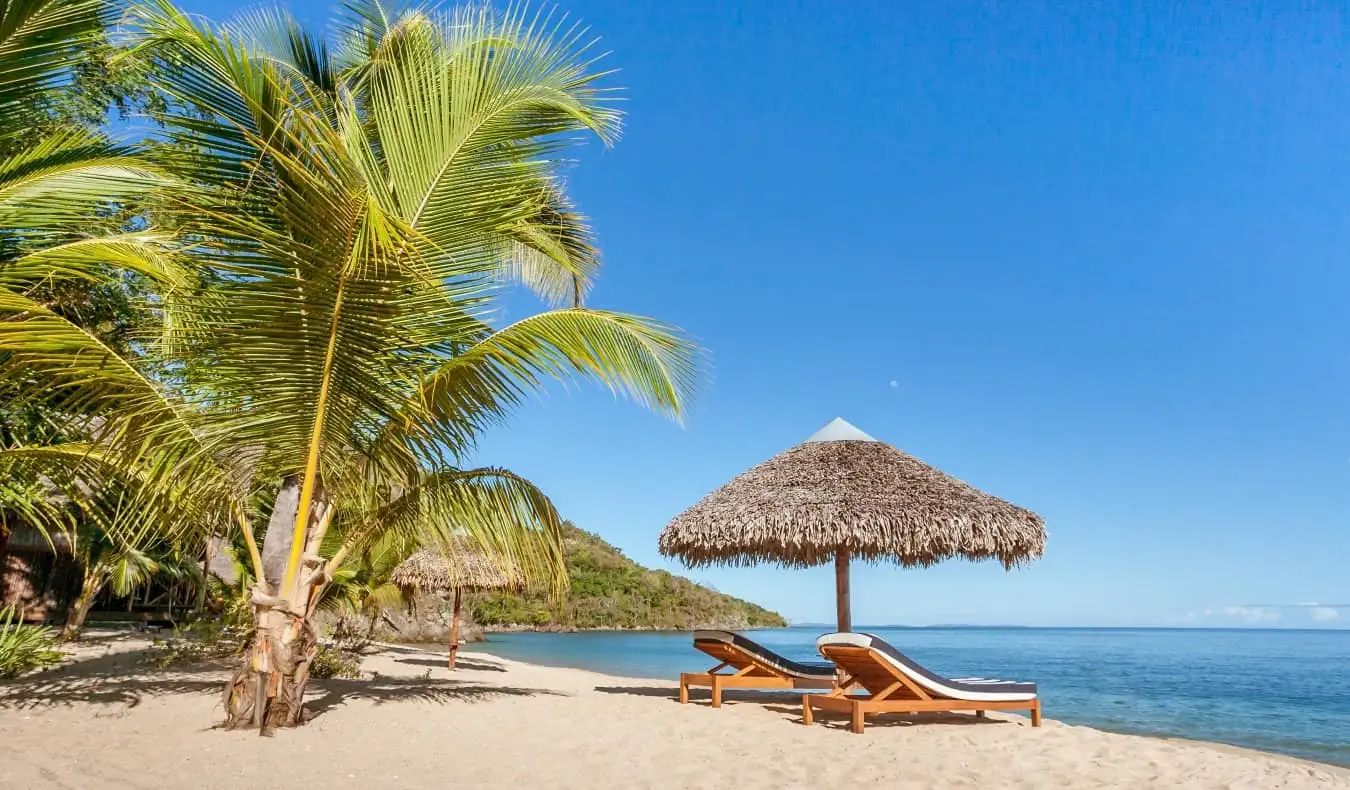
(464, 567)
(842, 494)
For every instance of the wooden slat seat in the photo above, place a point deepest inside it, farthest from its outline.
(754, 667)
(895, 683)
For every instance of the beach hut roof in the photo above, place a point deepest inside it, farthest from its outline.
(842, 490)
(463, 567)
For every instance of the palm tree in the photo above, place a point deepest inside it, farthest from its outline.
(350, 216)
(109, 563)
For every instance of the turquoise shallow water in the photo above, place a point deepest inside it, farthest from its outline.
(1281, 691)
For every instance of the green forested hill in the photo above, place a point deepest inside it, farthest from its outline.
(611, 591)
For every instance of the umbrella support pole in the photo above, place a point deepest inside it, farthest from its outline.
(454, 631)
(841, 559)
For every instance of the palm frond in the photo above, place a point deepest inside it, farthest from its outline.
(131, 505)
(466, 121)
(386, 596)
(504, 514)
(288, 44)
(144, 253)
(62, 181)
(128, 568)
(39, 40)
(650, 362)
(554, 252)
(42, 353)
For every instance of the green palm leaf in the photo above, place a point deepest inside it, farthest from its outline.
(38, 39)
(60, 183)
(502, 513)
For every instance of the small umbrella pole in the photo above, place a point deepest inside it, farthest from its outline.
(454, 631)
(841, 590)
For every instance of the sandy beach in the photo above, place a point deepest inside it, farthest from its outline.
(107, 721)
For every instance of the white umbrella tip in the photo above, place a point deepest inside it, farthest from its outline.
(840, 430)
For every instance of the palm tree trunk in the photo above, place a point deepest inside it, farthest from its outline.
(268, 689)
(4, 550)
(74, 625)
(370, 627)
(199, 597)
(280, 527)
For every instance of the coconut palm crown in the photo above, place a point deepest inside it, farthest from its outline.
(346, 212)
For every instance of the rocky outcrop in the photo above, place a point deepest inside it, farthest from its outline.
(428, 620)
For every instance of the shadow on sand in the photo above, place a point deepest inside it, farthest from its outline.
(462, 663)
(113, 679)
(123, 679)
(841, 721)
(381, 690)
(790, 704)
(699, 696)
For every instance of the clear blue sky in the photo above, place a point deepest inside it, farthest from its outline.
(1091, 260)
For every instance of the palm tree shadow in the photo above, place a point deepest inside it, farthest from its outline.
(124, 679)
(463, 663)
(699, 696)
(95, 635)
(112, 679)
(790, 703)
(382, 690)
(837, 720)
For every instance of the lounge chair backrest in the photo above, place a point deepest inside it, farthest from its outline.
(740, 653)
(857, 660)
(875, 665)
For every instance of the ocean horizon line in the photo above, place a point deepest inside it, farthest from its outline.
(1011, 627)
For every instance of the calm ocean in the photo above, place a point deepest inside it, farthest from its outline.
(1282, 691)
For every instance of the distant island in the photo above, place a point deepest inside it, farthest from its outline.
(1003, 626)
(830, 626)
(610, 591)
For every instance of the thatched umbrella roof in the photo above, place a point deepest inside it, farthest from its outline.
(842, 494)
(843, 490)
(460, 567)
(463, 568)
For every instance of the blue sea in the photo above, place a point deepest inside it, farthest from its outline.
(1277, 690)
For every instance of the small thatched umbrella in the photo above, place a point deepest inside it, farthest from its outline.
(842, 494)
(464, 567)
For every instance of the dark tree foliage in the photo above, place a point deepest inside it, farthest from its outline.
(101, 91)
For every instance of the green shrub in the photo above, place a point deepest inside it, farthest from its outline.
(24, 647)
(351, 634)
(198, 641)
(331, 662)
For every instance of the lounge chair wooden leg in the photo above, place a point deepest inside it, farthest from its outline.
(979, 714)
(857, 723)
(684, 689)
(806, 709)
(716, 691)
(1036, 713)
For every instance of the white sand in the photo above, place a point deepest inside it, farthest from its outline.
(107, 722)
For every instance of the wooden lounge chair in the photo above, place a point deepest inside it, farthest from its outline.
(756, 667)
(895, 683)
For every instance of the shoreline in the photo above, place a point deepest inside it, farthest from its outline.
(1220, 745)
(1141, 733)
(637, 629)
(105, 720)
(655, 681)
